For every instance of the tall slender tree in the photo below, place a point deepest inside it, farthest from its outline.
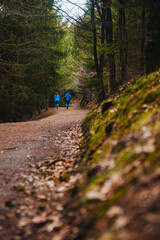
(112, 85)
(99, 61)
(153, 37)
(122, 40)
(143, 36)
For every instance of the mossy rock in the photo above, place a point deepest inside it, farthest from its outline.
(106, 105)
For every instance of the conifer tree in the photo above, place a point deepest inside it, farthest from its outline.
(30, 33)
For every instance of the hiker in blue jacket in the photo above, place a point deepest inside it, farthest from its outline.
(57, 99)
(68, 98)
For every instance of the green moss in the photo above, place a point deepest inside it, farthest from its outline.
(97, 157)
(147, 82)
(134, 121)
(152, 95)
(86, 125)
(140, 121)
(115, 134)
(126, 158)
(21, 188)
(88, 120)
(98, 135)
(133, 110)
(64, 176)
(139, 93)
(106, 204)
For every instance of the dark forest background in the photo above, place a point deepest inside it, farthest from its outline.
(92, 55)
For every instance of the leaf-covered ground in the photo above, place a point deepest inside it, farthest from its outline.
(109, 189)
(37, 160)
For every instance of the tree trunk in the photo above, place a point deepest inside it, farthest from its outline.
(101, 58)
(123, 41)
(109, 39)
(99, 64)
(153, 38)
(12, 108)
(142, 66)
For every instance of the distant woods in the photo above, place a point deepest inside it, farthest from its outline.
(118, 40)
(30, 36)
(114, 41)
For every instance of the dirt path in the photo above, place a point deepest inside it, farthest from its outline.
(35, 159)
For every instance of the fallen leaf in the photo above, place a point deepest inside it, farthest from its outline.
(121, 222)
(43, 197)
(23, 222)
(149, 147)
(114, 211)
(61, 189)
(39, 219)
(59, 207)
(95, 195)
(50, 184)
(56, 224)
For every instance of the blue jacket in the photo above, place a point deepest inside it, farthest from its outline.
(68, 96)
(57, 98)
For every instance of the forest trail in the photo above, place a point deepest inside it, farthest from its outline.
(32, 183)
